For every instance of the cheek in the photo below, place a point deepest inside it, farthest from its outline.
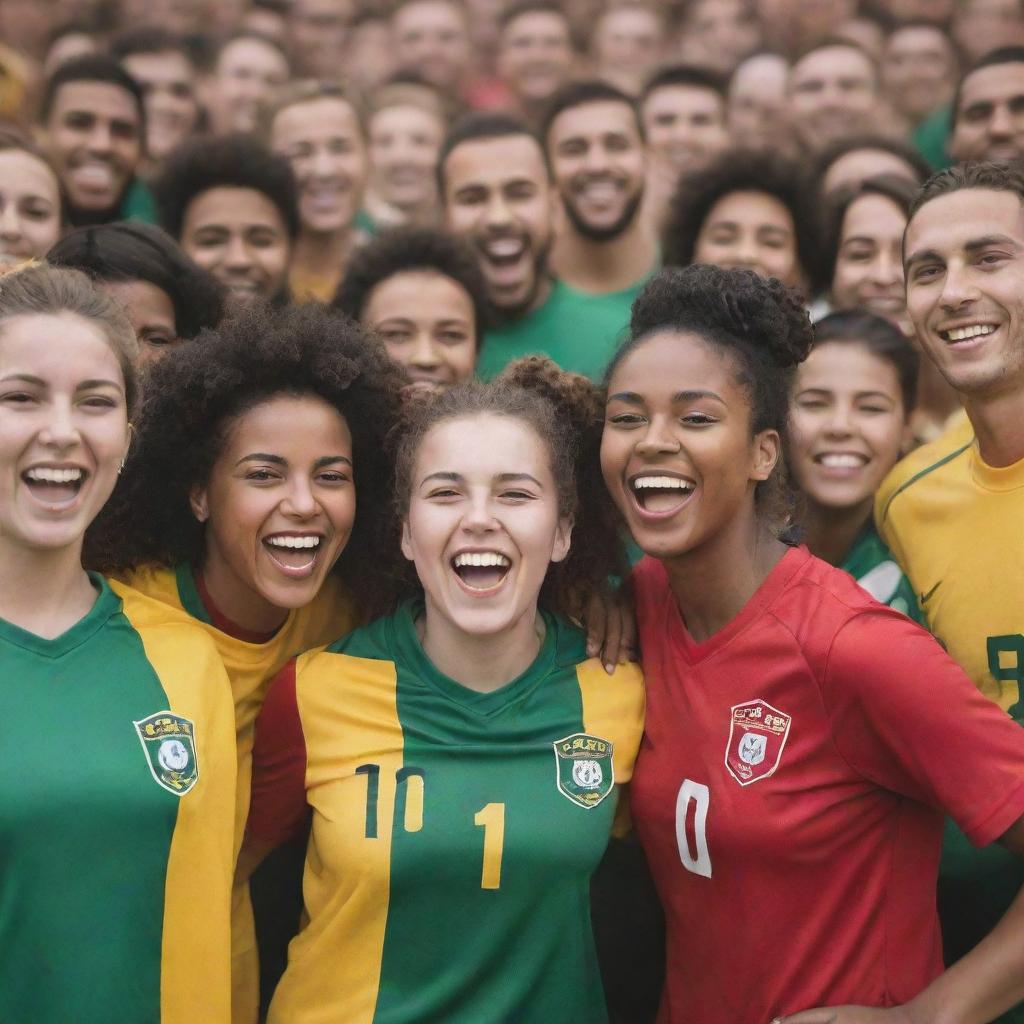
(461, 359)
(341, 510)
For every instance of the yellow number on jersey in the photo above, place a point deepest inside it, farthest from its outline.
(492, 820)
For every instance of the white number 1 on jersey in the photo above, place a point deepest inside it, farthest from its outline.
(698, 861)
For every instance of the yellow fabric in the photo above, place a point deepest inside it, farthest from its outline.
(250, 667)
(195, 983)
(954, 525)
(305, 286)
(349, 717)
(614, 706)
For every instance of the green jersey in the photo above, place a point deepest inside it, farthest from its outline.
(454, 832)
(116, 804)
(578, 330)
(871, 564)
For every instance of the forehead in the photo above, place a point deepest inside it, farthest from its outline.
(876, 213)
(859, 164)
(407, 117)
(683, 97)
(601, 117)
(317, 118)
(246, 52)
(25, 173)
(751, 207)
(537, 23)
(428, 14)
(951, 222)
(493, 161)
(261, 426)
(485, 443)
(103, 98)
(918, 38)
(168, 63)
(630, 20)
(833, 62)
(847, 366)
(227, 205)
(57, 347)
(670, 361)
(419, 295)
(761, 74)
(992, 84)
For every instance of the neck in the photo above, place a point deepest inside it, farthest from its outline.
(831, 532)
(605, 266)
(712, 584)
(236, 601)
(542, 296)
(314, 250)
(998, 422)
(481, 663)
(44, 592)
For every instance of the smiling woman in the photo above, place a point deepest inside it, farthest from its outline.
(462, 754)
(238, 503)
(137, 845)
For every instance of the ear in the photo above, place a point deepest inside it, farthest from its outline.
(197, 499)
(766, 451)
(563, 539)
(406, 540)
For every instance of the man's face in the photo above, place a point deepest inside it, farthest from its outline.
(628, 45)
(990, 115)
(918, 70)
(684, 126)
(317, 30)
(757, 108)
(536, 57)
(833, 93)
(94, 135)
(247, 72)
(598, 161)
(980, 26)
(431, 37)
(720, 33)
(498, 197)
(168, 85)
(964, 261)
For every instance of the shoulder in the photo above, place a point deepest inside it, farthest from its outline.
(157, 582)
(331, 615)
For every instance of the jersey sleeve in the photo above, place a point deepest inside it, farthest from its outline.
(906, 716)
(278, 809)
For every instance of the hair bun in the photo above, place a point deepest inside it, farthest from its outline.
(574, 396)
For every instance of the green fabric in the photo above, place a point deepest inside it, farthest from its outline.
(188, 594)
(138, 203)
(931, 136)
(85, 830)
(365, 222)
(871, 564)
(579, 331)
(453, 950)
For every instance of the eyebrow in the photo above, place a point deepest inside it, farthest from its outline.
(501, 478)
(85, 385)
(280, 460)
(680, 396)
(972, 246)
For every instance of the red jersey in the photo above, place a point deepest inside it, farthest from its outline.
(790, 789)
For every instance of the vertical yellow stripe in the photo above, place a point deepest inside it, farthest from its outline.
(613, 708)
(354, 747)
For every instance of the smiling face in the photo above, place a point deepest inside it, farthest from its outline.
(432, 38)
(151, 314)
(246, 73)
(847, 425)
(323, 142)
(685, 126)
(965, 288)
(427, 323)
(483, 524)
(869, 264)
(63, 429)
(990, 115)
(599, 163)
(751, 230)
(404, 144)
(919, 69)
(29, 206)
(677, 451)
(536, 55)
(240, 237)
(498, 197)
(278, 506)
(833, 93)
(168, 86)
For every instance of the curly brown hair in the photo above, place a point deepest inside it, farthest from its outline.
(193, 396)
(565, 411)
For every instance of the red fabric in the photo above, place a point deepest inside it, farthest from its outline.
(220, 621)
(277, 808)
(818, 882)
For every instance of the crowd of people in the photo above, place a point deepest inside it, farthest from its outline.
(539, 483)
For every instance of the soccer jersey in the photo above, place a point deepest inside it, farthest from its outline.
(454, 832)
(789, 794)
(251, 663)
(116, 805)
(578, 330)
(871, 564)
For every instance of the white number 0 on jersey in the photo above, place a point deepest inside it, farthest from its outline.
(698, 861)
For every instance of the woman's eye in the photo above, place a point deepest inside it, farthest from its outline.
(98, 402)
(626, 419)
(698, 419)
(444, 492)
(334, 477)
(517, 495)
(259, 475)
(17, 398)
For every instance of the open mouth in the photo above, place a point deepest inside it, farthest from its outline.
(481, 571)
(661, 495)
(94, 176)
(294, 554)
(959, 335)
(54, 486)
(841, 463)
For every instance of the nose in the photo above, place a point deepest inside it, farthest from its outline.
(478, 516)
(99, 137)
(596, 159)
(658, 438)
(60, 430)
(497, 213)
(424, 354)
(300, 502)
(837, 423)
(957, 288)
(10, 222)
(237, 253)
(887, 269)
(321, 164)
(1000, 124)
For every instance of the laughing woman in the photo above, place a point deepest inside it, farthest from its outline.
(461, 755)
(117, 739)
(239, 503)
(802, 741)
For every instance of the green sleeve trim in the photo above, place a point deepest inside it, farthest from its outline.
(188, 594)
(924, 472)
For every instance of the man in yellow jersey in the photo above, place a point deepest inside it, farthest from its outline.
(952, 513)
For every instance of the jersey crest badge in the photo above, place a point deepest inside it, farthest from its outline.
(757, 736)
(584, 772)
(168, 741)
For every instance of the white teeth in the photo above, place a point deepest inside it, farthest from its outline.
(974, 331)
(44, 475)
(662, 483)
(840, 460)
(480, 558)
(504, 248)
(293, 542)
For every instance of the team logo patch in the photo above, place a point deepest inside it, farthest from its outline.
(170, 750)
(757, 735)
(584, 771)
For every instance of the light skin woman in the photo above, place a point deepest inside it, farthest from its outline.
(31, 204)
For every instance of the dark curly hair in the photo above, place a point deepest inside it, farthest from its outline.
(757, 321)
(742, 170)
(404, 250)
(196, 392)
(131, 251)
(565, 411)
(230, 161)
